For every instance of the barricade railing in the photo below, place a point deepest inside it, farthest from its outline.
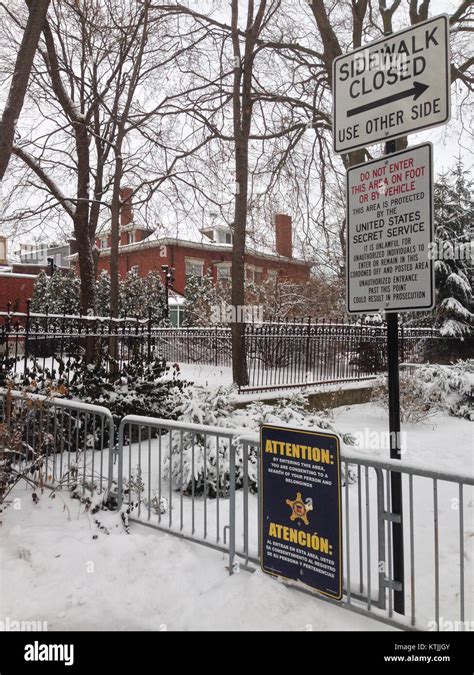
(201, 482)
(74, 439)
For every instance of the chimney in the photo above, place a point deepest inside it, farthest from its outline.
(72, 246)
(283, 235)
(3, 250)
(126, 211)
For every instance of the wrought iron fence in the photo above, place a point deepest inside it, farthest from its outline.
(279, 354)
(59, 343)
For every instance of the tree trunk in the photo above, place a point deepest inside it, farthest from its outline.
(86, 266)
(115, 239)
(239, 352)
(84, 237)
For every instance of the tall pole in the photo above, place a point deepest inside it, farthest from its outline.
(165, 270)
(395, 449)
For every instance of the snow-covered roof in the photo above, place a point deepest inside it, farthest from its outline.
(175, 298)
(155, 240)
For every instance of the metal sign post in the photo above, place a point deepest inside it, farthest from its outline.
(393, 374)
(389, 230)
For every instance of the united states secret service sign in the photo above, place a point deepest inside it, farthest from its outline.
(300, 507)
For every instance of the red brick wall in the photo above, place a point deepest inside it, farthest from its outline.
(15, 288)
(149, 259)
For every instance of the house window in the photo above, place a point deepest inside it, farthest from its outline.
(223, 271)
(272, 275)
(103, 242)
(194, 268)
(225, 237)
(254, 274)
(132, 237)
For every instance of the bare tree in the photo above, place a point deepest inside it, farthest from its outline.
(104, 122)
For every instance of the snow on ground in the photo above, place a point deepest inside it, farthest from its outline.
(52, 569)
(442, 442)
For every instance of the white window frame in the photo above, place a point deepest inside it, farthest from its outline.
(194, 262)
(251, 271)
(222, 235)
(272, 274)
(223, 266)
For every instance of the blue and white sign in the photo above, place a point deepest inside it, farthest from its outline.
(300, 514)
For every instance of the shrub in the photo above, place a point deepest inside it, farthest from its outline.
(141, 388)
(210, 469)
(430, 389)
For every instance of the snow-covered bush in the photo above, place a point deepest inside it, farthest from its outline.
(417, 405)
(201, 296)
(454, 212)
(140, 388)
(430, 389)
(199, 463)
(58, 294)
(454, 385)
(151, 389)
(138, 296)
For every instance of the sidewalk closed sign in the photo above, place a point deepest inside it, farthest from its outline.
(389, 231)
(300, 507)
(392, 87)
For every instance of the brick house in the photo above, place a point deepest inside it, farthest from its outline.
(16, 285)
(17, 279)
(145, 250)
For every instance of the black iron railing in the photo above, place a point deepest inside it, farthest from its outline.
(279, 354)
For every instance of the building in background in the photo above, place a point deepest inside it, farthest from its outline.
(143, 249)
(42, 254)
(18, 273)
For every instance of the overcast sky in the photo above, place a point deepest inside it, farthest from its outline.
(450, 141)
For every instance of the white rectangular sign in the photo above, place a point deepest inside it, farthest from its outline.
(392, 87)
(389, 233)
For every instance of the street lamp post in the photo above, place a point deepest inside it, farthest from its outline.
(168, 273)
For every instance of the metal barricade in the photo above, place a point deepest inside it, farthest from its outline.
(75, 439)
(200, 483)
(168, 473)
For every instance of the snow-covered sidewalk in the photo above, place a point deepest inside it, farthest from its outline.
(57, 566)
(54, 570)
